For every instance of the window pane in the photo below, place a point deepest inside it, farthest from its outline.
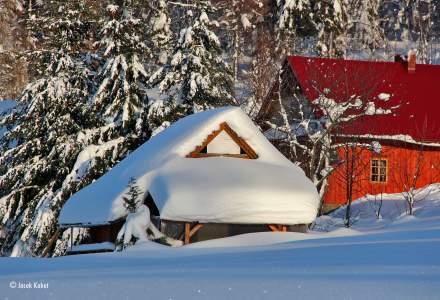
(374, 178)
(383, 178)
(383, 163)
(374, 162)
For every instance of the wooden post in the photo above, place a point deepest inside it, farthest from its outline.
(273, 227)
(277, 228)
(71, 238)
(187, 233)
(195, 229)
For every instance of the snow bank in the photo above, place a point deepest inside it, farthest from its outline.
(383, 210)
(399, 261)
(93, 247)
(269, 189)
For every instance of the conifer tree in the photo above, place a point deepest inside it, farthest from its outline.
(238, 18)
(40, 147)
(363, 24)
(294, 18)
(121, 96)
(160, 30)
(331, 20)
(131, 199)
(403, 24)
(195, 77)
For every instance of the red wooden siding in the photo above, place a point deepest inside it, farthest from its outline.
(401, 163)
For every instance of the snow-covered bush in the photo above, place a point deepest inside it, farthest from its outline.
(135, 228)
(138, 228)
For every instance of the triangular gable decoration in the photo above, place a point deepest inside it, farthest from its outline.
(224, 142)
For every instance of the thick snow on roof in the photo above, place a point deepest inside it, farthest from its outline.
(269, 189)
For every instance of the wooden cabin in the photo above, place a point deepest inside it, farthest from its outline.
(209, 175)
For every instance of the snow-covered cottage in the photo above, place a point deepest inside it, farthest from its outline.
(407, 151)
(212, 174)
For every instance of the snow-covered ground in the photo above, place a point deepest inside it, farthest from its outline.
(394, 257)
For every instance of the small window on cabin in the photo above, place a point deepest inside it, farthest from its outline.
(379, 170)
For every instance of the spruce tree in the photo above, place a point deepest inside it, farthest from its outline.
(293, 18)
(40, 147)
(195, 77)
(160, 30)
(121, 97)
(331, 20)
(403, 24)
(131, 198)
(364, 26)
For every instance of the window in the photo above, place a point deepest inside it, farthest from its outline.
(379, 170)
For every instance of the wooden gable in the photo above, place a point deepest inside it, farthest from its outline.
(224, 142)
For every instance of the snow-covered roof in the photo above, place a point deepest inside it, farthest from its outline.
(269, 189)
(414, 95)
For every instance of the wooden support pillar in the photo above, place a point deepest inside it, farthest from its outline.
(189, 232)
(277, 228)
(71, 238)
(273, 227)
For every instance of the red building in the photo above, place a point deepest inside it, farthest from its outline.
(409, 137)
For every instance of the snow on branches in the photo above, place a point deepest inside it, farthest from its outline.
(121, 96)
(195, 77)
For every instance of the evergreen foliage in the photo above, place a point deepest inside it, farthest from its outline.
(131, 199)
(160, 28)
(294, 18)
(195, 77)
(364, 24)
(41, 145)
(121, 95)
(331, 17)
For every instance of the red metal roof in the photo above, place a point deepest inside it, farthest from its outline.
(417, 94)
